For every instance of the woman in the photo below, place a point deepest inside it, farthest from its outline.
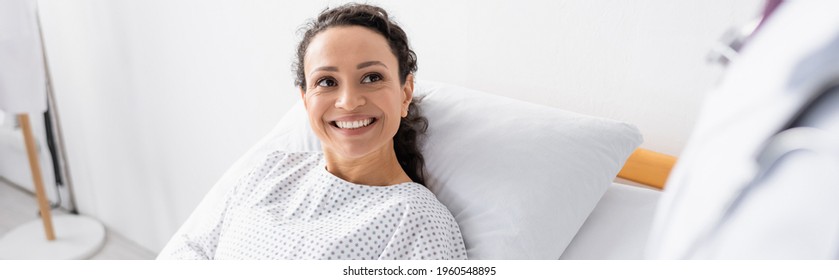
(361, 197)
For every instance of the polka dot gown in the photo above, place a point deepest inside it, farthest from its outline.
(290, 207)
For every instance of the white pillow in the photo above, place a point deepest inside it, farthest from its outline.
(519, 178)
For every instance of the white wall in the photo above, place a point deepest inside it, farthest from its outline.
(636, 61)
(159, 97)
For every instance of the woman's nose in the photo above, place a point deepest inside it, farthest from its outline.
(349, 100)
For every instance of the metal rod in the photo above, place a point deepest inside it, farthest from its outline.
(59, 134)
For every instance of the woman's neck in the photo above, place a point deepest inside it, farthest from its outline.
(378, 168)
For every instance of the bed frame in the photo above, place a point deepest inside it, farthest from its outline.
(648, 168)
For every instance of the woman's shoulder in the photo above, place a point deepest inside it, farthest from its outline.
(413, 192)
(430, 230)
(419, 199)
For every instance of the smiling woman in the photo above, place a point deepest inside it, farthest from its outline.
(362, 197)
(355, 101)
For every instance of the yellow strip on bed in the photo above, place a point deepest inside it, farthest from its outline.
(648, 168)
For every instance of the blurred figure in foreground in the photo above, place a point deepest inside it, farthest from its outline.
(759, 178)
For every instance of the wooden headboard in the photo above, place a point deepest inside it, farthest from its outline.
(648, 168)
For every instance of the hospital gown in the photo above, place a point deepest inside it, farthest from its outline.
(291, 207)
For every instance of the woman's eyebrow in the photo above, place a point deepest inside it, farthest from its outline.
(359, 66)
(370, 63)
(325, 68)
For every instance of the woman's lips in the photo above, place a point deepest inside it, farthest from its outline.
(354, 124)
(351, 127)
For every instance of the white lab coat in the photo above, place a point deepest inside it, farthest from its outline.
(794, 212)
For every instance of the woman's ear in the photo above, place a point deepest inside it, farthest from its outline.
(408, 90)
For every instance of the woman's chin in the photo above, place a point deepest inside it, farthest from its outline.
(356, 149)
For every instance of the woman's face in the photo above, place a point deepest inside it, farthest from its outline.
(353, 95)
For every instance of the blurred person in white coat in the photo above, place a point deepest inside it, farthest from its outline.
(759, 178)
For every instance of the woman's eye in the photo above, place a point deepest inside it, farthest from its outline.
(326, 83)
(372, 78)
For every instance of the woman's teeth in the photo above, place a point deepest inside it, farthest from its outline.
(353, 124)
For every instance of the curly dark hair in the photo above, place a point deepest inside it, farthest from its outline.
(412, 127)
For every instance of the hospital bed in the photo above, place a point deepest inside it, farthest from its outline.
(524, 181)
(618, 227)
